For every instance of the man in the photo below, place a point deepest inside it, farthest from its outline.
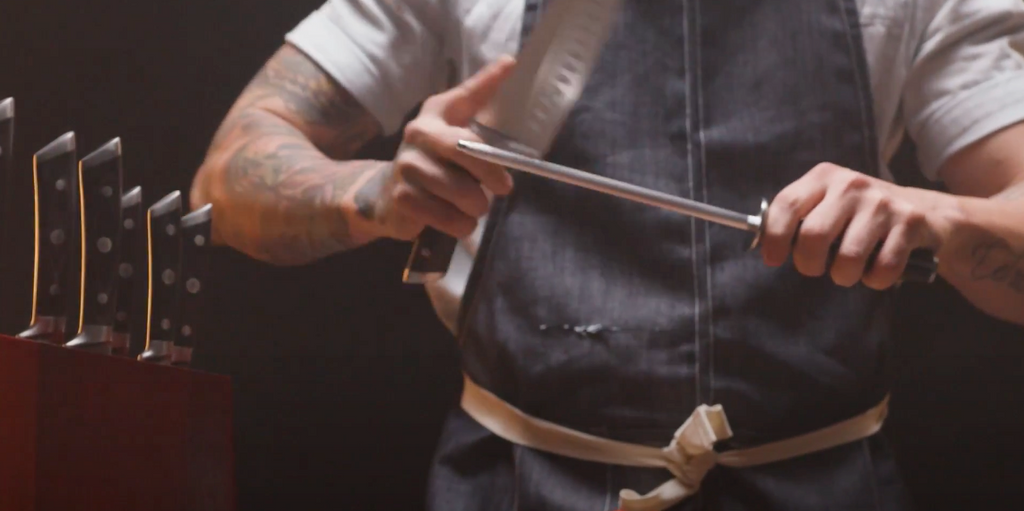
(614, 320)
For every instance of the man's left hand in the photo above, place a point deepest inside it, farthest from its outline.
(836, 203)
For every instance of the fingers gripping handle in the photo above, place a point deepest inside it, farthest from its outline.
(922, 265)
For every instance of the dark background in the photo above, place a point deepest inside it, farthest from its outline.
(342, 374)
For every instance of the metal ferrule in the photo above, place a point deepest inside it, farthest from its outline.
(94, 338)
(120, 340)
(44, 329)
(159, 352)
(181, 355)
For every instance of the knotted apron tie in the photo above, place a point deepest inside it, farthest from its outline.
(688, 457)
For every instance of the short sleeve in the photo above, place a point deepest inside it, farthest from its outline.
(387, 53)
(967, 77)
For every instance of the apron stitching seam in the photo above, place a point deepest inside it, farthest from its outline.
(693, 221)
(866, 127)
(707, 230)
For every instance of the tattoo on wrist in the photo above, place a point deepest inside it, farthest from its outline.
(996, 261)
(300, 192)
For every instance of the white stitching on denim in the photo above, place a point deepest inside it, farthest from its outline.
(693, 221)
(871, 160)
(707, 230)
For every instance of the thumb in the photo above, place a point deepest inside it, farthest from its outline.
(465, 100)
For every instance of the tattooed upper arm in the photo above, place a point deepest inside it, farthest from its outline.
(293, 87)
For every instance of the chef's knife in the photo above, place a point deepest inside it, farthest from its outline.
(922, 266)
(195, 234)
(164, 240)
(99, 186)
(131, 226)
(55, 179)
(531, 105)
(6, 196)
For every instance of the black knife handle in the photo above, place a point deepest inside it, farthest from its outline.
(432, 251)
(164, 235)
(195, 238)
(100, 178)
(921, 267)
(55, 176)
(430, 258)
(128, 266)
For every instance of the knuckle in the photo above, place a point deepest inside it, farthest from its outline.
(855, 183)
(823, 169)
(404, 197)
(413, 131)
(880, 204)
(787, 201)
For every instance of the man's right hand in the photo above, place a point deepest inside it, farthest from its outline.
(431, 183)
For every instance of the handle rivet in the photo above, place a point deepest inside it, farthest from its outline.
(57, 236)
(170, 229)
(165, 324)
(122, 316)
(55, 290)
(200, 240)
(193, 285)
(106, 191)
(125, 270)
(186, 331)
(61, 184)
(104, 244)
(102, 298)
(129, 224)
(168, 276)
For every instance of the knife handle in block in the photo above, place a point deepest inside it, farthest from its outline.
(164, 241)
(55, 179)
(128, 267)
(195, 236)
(100, 182)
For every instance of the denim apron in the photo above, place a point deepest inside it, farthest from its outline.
(618, 319)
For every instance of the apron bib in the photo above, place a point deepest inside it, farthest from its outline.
(618, 319)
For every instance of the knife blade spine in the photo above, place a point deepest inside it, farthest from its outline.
(61, 145)
(203, 214)
(6, 109)
(106, 152)
(131, 198)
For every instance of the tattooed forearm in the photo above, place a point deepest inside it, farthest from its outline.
(997, 262)
(273, 169)
(296, 89)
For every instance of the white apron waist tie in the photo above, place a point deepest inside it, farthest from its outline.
(689, 456)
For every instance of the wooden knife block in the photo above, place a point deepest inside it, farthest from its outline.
(81, 431)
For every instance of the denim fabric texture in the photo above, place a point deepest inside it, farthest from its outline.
(618, 319)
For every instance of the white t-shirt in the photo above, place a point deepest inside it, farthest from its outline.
(945, 72)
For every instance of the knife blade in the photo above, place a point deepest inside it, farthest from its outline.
(6, 195)
(164, 241)
(922, 266)
(55, 177)
(530, 108)
(131, 226)
(195, 233)
(99, 186)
